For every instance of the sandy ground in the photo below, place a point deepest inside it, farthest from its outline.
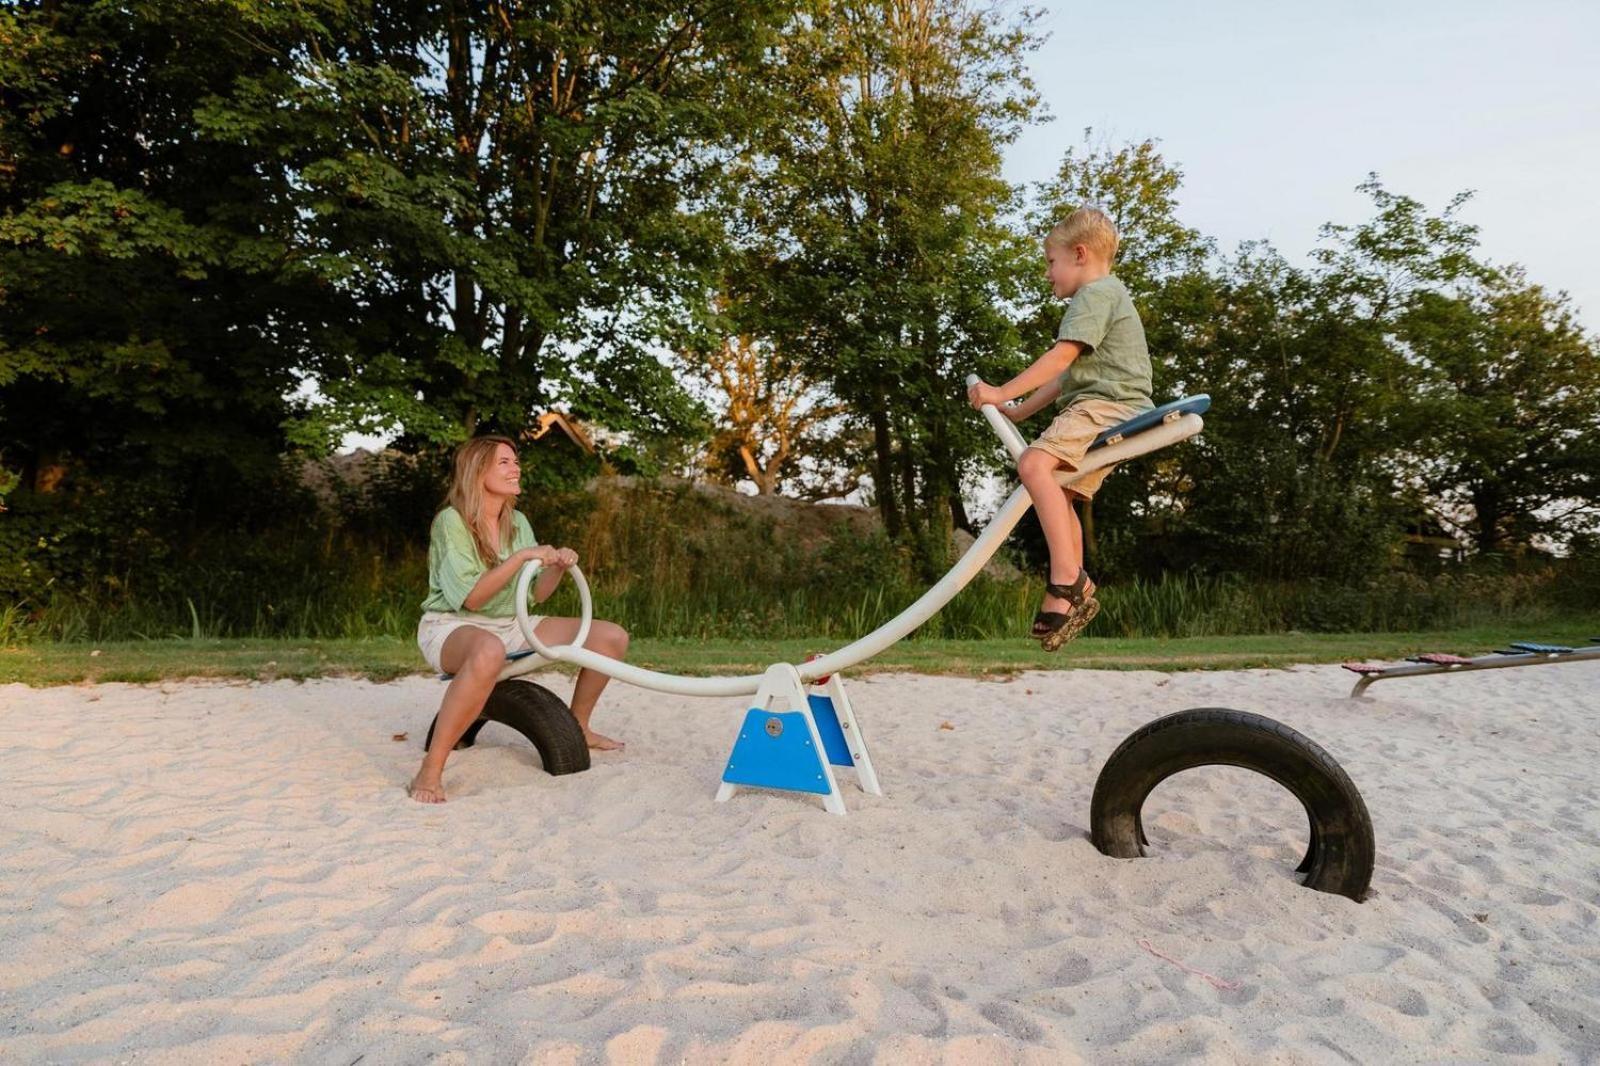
(206, 872)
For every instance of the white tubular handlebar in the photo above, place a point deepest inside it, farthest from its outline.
(1002, 425)
(967, 567)
(529, 623)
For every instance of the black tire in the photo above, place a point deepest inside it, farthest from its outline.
(538, 714)
(1341, 852)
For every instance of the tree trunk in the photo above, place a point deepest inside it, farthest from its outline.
(908, 488)
(1486, 521)
(883, 468)
(958, 514)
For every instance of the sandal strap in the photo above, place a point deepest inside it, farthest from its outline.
(1074, 593)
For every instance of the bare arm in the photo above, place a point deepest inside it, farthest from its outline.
(1042, 397)
(495, 578)
(1043, 379)
(549, 578)
(1046, 369)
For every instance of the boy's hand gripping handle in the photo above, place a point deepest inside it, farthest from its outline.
(1002, 425)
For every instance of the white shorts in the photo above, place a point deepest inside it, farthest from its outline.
(436, 626)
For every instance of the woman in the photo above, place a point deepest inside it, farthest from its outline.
(477, 545)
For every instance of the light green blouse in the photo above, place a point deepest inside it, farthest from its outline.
(454, 567)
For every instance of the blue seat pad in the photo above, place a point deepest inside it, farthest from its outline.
(1197, 404)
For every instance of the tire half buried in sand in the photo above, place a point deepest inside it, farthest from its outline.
(1342, 851)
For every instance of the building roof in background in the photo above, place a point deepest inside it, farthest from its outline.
(568, 425)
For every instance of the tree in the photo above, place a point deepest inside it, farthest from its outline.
(1512, 411)
(873, 201)
(505, 196)
(774, 421)
(1138, 188)
(136, 326)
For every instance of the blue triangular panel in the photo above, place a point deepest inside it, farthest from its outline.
(787, 760)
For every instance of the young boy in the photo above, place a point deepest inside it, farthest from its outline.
(1100, 368)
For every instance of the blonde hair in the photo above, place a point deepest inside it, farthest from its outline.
(1090, 227)
(466, 494)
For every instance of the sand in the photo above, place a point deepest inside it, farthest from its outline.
(207, 872)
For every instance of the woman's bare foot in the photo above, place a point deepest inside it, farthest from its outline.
(426, 790)
(601, 742)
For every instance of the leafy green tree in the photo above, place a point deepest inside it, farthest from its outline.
(509, 196)
(1318, 395)
(1511, 409)
(875, 221)
(136, 329)
(1136, 185)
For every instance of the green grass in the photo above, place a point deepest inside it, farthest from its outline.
(384, 658)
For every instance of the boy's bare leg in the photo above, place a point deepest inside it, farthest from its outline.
(474, 656)
(1057, 518)
(608, 639)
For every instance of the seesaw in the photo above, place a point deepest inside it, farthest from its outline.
(1520, 653)
(800, 726)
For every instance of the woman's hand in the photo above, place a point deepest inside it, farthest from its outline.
(558, 558)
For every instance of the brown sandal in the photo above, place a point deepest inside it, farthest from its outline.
(1055, 628)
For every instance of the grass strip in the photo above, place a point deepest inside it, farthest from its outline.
(386, 658)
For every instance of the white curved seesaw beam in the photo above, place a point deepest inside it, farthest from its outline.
(926, 606)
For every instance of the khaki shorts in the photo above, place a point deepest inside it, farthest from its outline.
(436, 627)
(1074, 429)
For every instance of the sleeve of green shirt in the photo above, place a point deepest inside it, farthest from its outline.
(454, 558)
(1088, 318)
(522, 533)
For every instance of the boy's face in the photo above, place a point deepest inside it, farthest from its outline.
(1071, 268)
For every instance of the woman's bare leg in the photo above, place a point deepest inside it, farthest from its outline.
(608, 639)
(475, 657)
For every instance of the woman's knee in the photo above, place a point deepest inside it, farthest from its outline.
(485, 657)
(608, 637)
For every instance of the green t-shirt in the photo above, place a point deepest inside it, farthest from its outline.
(454, 567)
(1116, 365)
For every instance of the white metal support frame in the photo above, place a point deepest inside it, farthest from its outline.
(854, 738)
(782, 691)
(886, 635)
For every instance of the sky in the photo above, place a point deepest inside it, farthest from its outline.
(1275, 111)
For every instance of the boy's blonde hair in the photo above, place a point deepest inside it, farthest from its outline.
(1088, 226)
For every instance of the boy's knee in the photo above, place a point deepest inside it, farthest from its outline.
(1034, 462)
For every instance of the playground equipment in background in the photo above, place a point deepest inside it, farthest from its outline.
(1520, 653)
(781, 743)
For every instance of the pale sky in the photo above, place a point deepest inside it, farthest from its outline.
(1275, 111)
